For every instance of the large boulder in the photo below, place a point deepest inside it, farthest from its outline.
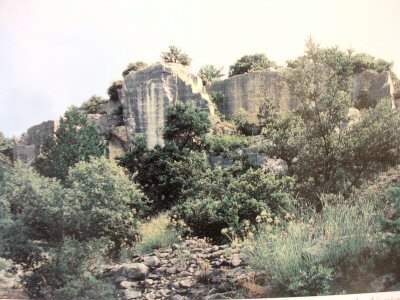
(147, 94)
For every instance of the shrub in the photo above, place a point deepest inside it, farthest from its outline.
(209, 73)
(175, 55)
(226, 143)
(250, 63)
(391, 225)
(302, 257)
(157, 233)
(136, 66)
(72, 271)
(224, 201)
(33, 213)
(243, 125)
(91, 106)
(164, 172)
(103, 202)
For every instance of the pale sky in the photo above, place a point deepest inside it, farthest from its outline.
(56, 53)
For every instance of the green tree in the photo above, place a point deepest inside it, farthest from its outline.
(76, 139)
(103, 202)
(60, 233)
(209, 73)
(251, 63)
(175, 55)
(325, 152)
(33, 204)
(158, 170)
(134, 66)
(186, 126)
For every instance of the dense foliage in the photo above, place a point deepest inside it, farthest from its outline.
(175, 55)
(327, 151)
(251, 63)
(157, 174)
(6, 149)
(232, 203)
(44, 224)
(76, 139)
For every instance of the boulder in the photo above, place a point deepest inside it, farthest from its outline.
(151, 261)
(276, 166)
(134, 271)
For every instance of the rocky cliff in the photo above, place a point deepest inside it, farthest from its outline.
(146, 94)
(247, 91)
(141, 107)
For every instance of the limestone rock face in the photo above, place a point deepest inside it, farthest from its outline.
(246, 92)
(30, 143)
(147, 94)
(370, 87)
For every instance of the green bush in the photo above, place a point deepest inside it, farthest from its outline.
(225, 201)
(391, 225)
(72, 271)
(302, 257)
(103, 202)
(244, 126)
(250, 63)
(226, 143)
(91, 106)
(31, 205)
(186, 126)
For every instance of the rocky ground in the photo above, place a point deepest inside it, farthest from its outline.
(9, 285)
(192, 270)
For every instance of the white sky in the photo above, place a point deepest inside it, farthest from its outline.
(55, 53)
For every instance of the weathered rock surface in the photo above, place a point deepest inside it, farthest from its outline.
(146, 95)
(29, 145)
(246, 92)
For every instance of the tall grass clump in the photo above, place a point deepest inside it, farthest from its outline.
(157, 233)
(303, 256)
